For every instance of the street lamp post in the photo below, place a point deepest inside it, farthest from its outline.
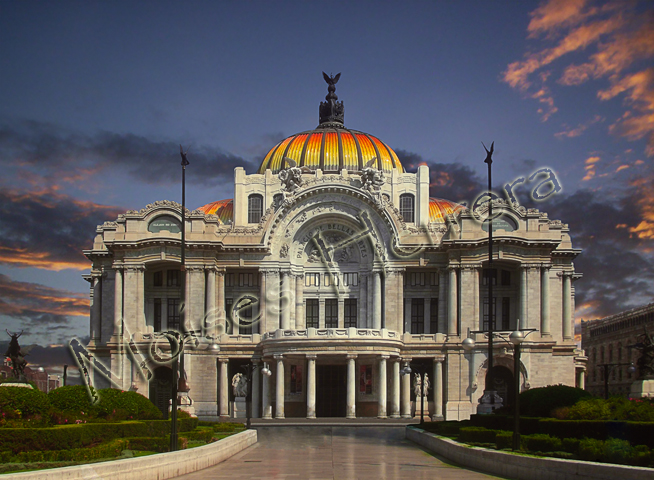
(421, 371)
(249, 368)
(607, 368)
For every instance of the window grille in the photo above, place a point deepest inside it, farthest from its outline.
(407, 207)
(255, 208)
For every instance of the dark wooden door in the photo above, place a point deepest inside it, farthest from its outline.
(331, 390)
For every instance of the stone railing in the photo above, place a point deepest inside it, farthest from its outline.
(332, 334)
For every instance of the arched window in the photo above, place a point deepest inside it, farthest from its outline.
(407, 207)
(255, 208)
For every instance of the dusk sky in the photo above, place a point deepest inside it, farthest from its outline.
(97, 97)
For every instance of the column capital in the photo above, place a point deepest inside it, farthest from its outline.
(223, 360)
(352, 356)
(439, 359)
(311, 356)
(453, 268)
(406, 359)
(255, 360)
(470, 267)
(564, 274)
(384, 357)
(545, 266)
(278, 356)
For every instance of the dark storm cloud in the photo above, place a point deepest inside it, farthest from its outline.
(51, 357)
(46, 229)
(47, 147)
(38, 305)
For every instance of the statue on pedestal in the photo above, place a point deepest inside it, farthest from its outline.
(17, 358)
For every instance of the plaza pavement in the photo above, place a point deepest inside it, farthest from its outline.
(334, 452)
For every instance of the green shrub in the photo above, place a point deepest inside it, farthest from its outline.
(202, 433)
(226, 427)
(617, 451)
(541, 442)
(503, 439)
(72, 398)
(20, 402)
(615, 408)
(641, 456)
(447, 429)
(591, 449)
(149, 444)
(477, 435)
(570, 445)
(110, 449)
(121, 405)
(640, 433)
(541, 402)
(573, 428)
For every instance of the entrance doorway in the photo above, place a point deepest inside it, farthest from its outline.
(161, 389)
(503, 380)
(331, 390)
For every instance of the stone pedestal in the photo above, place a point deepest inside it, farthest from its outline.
(425, 413)
(642, 388)
(489, 402)
(185, 403)
(239, 408)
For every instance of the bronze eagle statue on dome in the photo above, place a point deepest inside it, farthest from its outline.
(331, 79)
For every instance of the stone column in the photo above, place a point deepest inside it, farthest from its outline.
(286, 307)
(272, 301)
(265, 394)
(256, 395)
(263, 319)
(478, 320)
(224, 385)
(406, 392)
(300, 319)
(567, 302)
(140, 299)
(341, 312)
(545, 300)
(452, 306)
(442, 301)
(210, 319)
(407, 315)
(351, 386)
(130, 301)
(118, 302)
(523, 297)
(311, 386)
(382, 386)
(220, 302)
(395, 398)
(581, 378)
(96, 308)
(363, 296)
(376, 301)
(279, 387)
(438, 388)
(321, 312)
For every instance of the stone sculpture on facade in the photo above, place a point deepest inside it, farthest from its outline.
(291, 176)
(418, 387)
(239, 384)
(371, 178)
(17, 358)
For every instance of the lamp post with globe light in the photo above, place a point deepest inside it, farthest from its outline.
(249, 368)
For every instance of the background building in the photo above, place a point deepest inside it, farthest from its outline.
(606, 341)
(334, 273)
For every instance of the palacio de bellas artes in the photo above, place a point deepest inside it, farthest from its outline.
(329, 271)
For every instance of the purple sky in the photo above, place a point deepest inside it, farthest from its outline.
(98, 95)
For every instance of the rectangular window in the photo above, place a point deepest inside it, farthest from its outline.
(248, 279)
(331, 313)
(331, 279)
(406, 207)
(489, 273)
(350, 312)
(255, 208)
(229, 279)
(417, 278)
(506, 310)
(486, 313)
(312, 312)
(417, 315)
(365, 379)
(245, 321)
(229, 325)
(351, 279)
(433, 315)
(296, 379)
(506, 278)
(311, 279)
(173, 313)
(158, 279)
(433, 279)
(173, 278)
(157, 314)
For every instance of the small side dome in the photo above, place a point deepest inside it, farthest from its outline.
(223, 208)
(440, 208)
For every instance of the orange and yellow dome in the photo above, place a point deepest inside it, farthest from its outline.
(223, 208)
(331, 150)
(440, 208)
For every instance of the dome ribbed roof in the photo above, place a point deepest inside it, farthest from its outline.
(331, 150)
(223, 208)
(439, 209)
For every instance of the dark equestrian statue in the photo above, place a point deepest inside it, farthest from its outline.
(17, 358)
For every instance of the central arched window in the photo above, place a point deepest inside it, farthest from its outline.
(407, 207)
(255, 208)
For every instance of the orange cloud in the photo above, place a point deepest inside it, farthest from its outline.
(556, 14)
(578, 130)
(644, 188)
(621, 167)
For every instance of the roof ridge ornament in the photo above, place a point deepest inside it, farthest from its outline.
(332, 112)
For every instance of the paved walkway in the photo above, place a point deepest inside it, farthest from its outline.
(335, 453)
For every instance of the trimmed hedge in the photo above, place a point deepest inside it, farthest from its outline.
(149, 444)
(72, 398)
(122, 405)
(503, 439)
(27, 402)
(540, 402)
(110, 449)
(477, 435)
(541, 442)
(203, 434)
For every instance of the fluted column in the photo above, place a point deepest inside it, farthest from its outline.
(382, 386)
(118, 301)
(407, 315)
(452, 306)
(438, 388)
(263, 305)
(220, 303)
(567, 306)
(406, 392)
(523, 297)
(265, 394)
(395, 398)
(363, 296)
(311, 386)
(279, 387)
(272, 301)
(300, 319)
(376, 301)
(351, 386)
(256, 395)
(96, 308)
(286, 307)
(224, 385)
(442, 301)
(140, 300)
(545, 300)
(210, 319)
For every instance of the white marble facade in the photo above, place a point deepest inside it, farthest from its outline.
(345, 289)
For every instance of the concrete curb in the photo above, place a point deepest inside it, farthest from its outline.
(523, 467)
(152, 467)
